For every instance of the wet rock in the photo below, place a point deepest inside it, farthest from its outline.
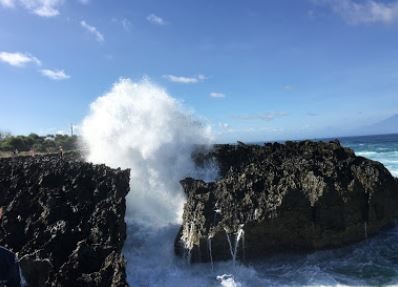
(65, 220)
(292, 197)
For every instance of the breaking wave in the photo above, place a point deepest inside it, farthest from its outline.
(137, 125)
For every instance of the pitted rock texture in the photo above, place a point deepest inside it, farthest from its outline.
(65, 220)
(292, 197)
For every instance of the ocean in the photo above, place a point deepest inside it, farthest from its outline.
(151, 262)
(382, 148)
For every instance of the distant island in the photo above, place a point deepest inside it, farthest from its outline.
(386, 126)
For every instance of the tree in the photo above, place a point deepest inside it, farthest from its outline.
(49, 143)
(4, 135)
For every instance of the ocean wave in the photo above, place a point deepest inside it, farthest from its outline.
(366, 153)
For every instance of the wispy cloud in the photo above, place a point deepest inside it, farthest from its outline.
(261, 117)
(288, 88)
(362, 12)
(185, 80)
(54, 74)
(91, 29)
(7, 3)
(224, 128)
(156, 20)
(18, 59)
(126, 24)
(217, 95)
(43, 8)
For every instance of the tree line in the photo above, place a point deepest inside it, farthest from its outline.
(34, 142)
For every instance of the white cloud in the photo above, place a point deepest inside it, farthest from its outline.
(99, 37)
(21, 60)
(156, 20)
(360, 12)
(263, 117)
(18, 59)
(54, 74)
(7, 3)
(185, 80)
(43, 8)
(217, 95)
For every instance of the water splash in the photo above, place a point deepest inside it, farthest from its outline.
(137, 125)
(227, 280)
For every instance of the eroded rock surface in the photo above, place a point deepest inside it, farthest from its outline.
(65, 219)
(297, 196)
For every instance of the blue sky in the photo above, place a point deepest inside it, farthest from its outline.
(254, 70)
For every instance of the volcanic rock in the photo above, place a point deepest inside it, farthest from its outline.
(276, 198)
(65, 220)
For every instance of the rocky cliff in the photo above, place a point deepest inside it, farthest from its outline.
(297, 196)
(65, 220)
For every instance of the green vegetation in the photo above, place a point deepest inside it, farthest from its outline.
(36, 143)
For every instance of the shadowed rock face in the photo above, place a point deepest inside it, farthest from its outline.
(65, 220)
(298, 196)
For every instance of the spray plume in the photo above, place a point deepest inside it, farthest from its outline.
(137, 125)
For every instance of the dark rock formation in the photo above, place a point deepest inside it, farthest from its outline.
(297, 196)
(65, 220)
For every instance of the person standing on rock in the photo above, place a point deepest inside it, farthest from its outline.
(61, 152)
(9, 267)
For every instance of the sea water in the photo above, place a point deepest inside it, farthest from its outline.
(370, 263)
(382, 148)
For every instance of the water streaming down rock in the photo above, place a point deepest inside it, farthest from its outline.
(234, 249)
(240, 237)
(210, 253)
(189, 239)
(230, 245)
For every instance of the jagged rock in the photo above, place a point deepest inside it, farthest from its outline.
(297, 196)
(65, 220)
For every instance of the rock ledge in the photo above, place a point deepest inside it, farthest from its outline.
(297, 196)
(65, 220)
